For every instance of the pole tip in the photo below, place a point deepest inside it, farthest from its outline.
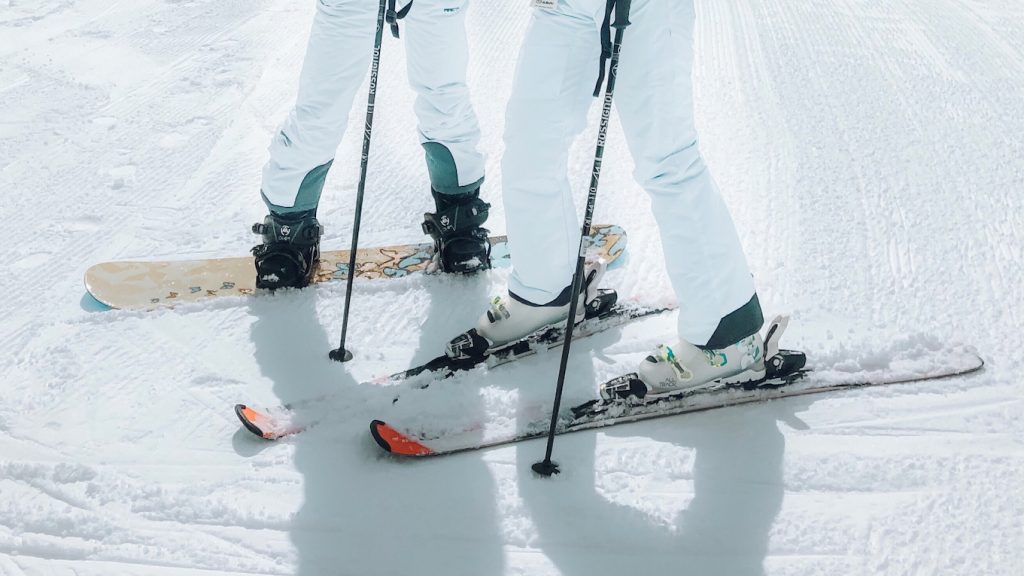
(546, 468)
(340, 355)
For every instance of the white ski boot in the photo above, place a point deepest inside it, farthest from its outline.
(684, 366)
(510, 319)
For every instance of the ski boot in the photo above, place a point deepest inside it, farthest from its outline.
(460, 244)
(683, 366)
(675, 371)
(290, 252)
(508, 321)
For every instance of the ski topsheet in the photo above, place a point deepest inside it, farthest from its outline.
(142, 285)
(277, 422)
(392, 437)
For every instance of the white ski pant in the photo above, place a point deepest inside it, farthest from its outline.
(337, 59)
(552, 91)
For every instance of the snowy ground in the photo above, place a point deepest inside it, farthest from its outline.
(873, 157)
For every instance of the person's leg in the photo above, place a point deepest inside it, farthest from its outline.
(301, 152)
(435, 40)
(703, 255)
(436, 56)
(336, 62)
(552, 90)
(719, 314)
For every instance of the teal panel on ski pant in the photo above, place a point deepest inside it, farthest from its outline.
(437, 56)
(737, 325)
(308, 196)
(444, 173)
(337, 60)
(552, 91)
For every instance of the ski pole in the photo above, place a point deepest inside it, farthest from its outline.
(546, 467)
(341, 354)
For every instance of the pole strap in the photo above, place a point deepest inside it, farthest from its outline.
(606, 46)
(393, 16)
(621, 8)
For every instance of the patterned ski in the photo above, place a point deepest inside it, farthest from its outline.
(144, 285)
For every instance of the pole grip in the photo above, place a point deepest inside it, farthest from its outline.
(621, 14)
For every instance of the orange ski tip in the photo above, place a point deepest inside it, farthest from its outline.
(395, 442)
(251, 419)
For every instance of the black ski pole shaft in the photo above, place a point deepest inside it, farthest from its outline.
(341, 354)
(546, 467)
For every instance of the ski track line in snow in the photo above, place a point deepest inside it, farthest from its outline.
(107, 515)
(938, 409)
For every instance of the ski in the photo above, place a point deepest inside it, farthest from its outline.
(602, 314)
(785, 377)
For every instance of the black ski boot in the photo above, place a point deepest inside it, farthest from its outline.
(290, 251)
(460, 243)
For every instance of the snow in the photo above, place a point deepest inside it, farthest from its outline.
(871, 154)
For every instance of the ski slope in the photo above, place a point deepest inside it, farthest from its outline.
(872, 154)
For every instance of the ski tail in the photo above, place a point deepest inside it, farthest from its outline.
(395, 442)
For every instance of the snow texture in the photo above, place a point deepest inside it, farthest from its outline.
(872, 156)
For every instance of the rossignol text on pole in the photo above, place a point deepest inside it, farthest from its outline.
(546, 467)
(341, 354)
